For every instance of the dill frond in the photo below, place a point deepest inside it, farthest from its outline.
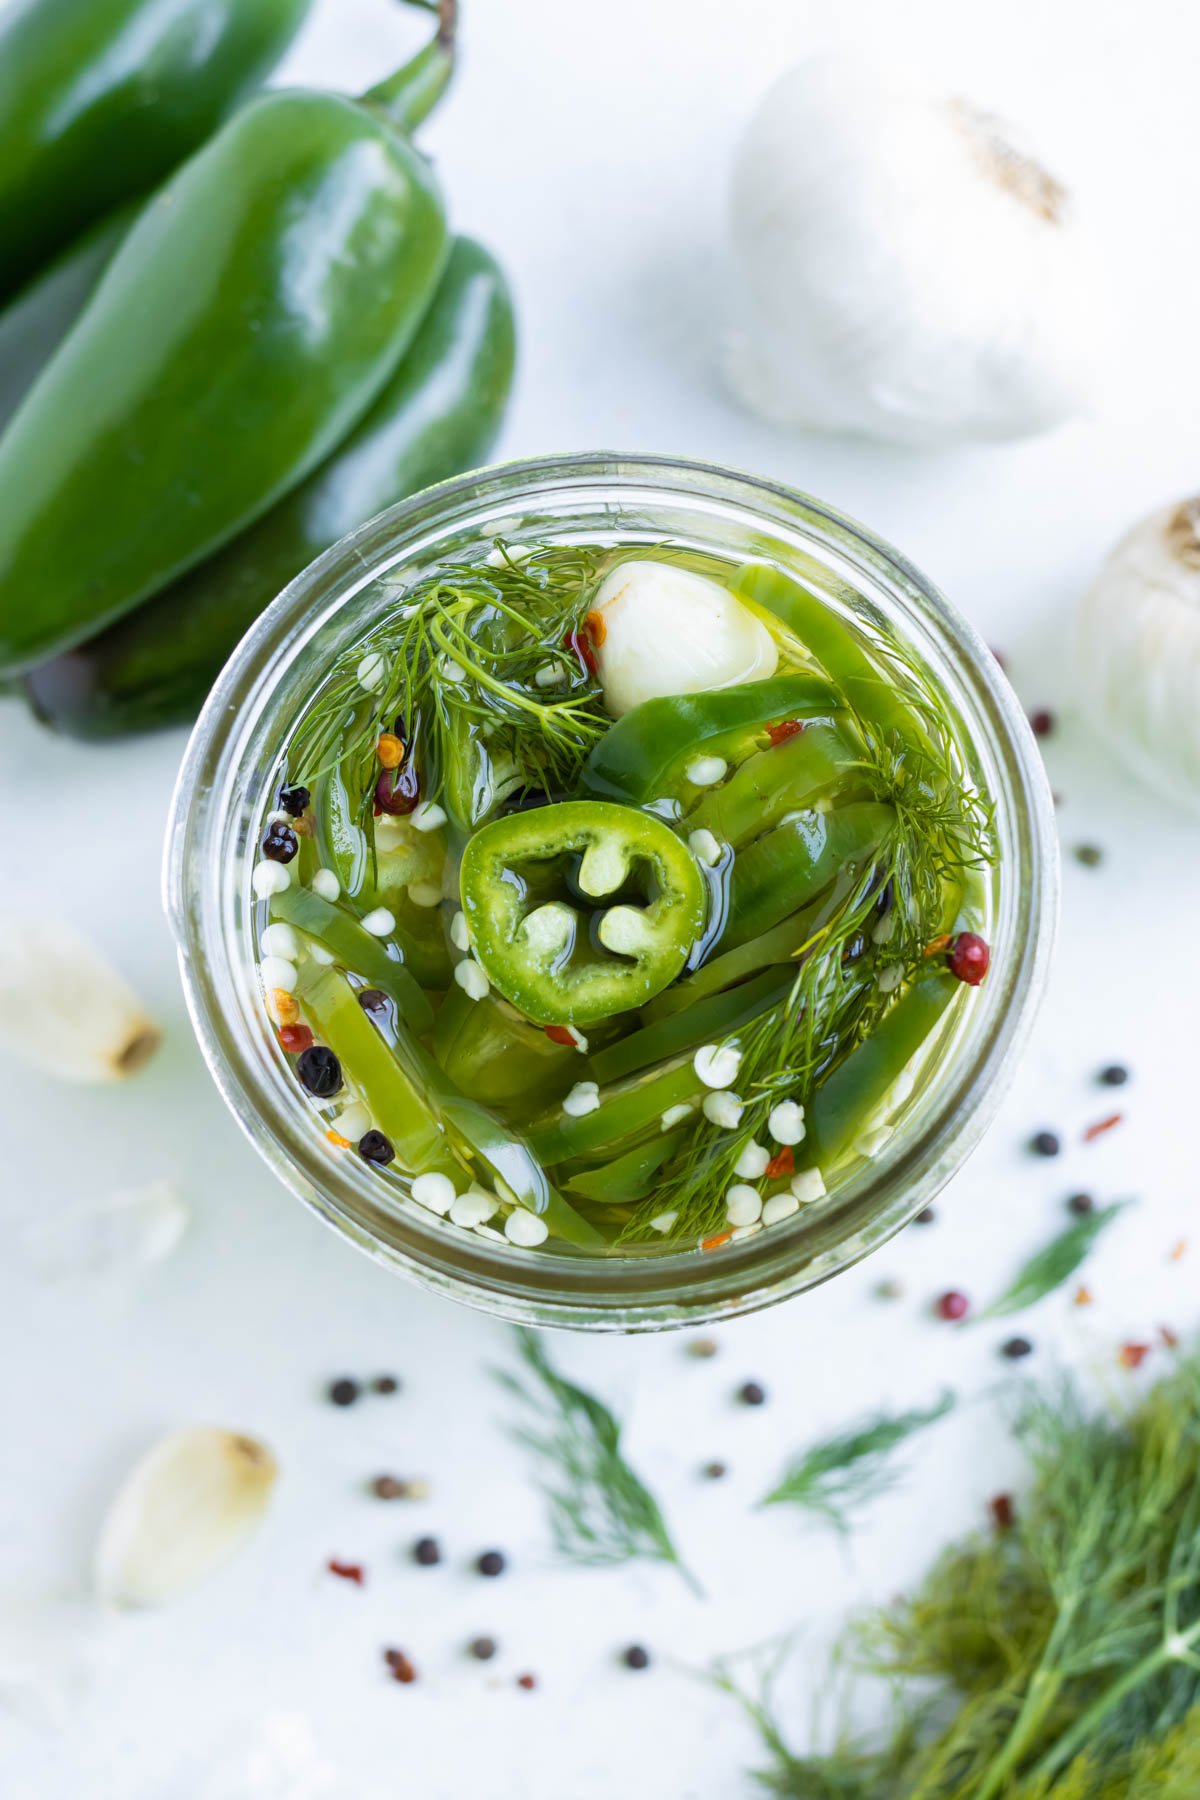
(601, 1512)
(844, 1471)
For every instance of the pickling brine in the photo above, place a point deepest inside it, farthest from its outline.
(615, 898)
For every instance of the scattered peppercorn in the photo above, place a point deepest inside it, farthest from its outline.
(1115, 1075)
(373, 1000)
(295, 1039)
(891, 1289)
(528, 1682)
(636, 1657)
(373, 1147)
(1090, 855)
(952, 1305)
(752, 1393)
(294, 800)
(926, 1216)
(1045, 1143)
(400, 1666)
(1003, 1512)
(397, 791)
(385, 1384)
(483, 1648)
(319, 1070)
(1015, 1348)
(1080, 1204)
(1041, 722)
(427, 1551)
(280, 843)
(969, 958)
(714, 1471)
(344, 1392)
(702, 1348)
(492, 1562)
(347, 1571)
(387, 1487)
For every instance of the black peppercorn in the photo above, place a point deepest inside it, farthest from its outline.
(1080, 1203)
(636, 1657)
(491, 1563)
(1015, 1348)
(483, 1648)
(926, 1216)
(373, 1000)
(385, 1384)
(294, 800)
(751, 1393)
(427, 1551)
(280, 843)
(373, 1147)
(1116, 1075)
(344, 1392)
(1045, 1143)
(319, 1070)
(714, 1471)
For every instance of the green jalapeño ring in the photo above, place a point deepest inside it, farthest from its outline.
(612, 891)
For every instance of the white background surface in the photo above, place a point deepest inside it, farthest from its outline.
(589, 143)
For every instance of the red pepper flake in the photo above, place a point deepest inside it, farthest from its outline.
(714, 1243)
(528, 1682)
(1179, 1251)
(783, 1164)
(400, 1666)
(584, 642)
(1170, 1338)
(596, 626)
(347, 1571)
(936, 945)
(337, 1140)
(560, 1034)
(1083, 1296)
(1003, 1512)
(785, 729)
(1132, 1356)
(1101, 1126)
(295, 1038)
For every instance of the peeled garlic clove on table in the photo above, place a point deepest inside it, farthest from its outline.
(184, 1511)
(909, 272)
(669, 631)
(1137, 651)
(64, 1009)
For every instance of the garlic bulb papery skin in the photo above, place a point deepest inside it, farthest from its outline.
(64, 1009)
(911, 273)
(1137, 651)
(668, 631)
(185, 1509)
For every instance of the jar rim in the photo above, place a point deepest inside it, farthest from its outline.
(206, 836)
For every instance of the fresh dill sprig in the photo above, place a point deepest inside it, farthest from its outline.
(1053, 1264)
(601, 1513)
(853, 1466)
(477, 663)
(1058, 1659)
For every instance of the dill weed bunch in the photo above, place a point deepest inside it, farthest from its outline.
(1062, 1655)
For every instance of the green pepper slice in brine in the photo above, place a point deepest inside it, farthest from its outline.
(582, 910)
(645, 755)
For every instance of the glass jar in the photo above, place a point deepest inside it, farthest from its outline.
(233, 754)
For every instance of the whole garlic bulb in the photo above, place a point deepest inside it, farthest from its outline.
(911, 273)
(1138, 651)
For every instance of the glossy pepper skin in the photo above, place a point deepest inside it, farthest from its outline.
(247, 322)
(35, 321)
(557, 915)
(440, 413)
(100, 99)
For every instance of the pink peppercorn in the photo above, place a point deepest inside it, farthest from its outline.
(969, 958)
(952, 1305)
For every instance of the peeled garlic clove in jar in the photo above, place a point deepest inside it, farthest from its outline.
(185, 1510)
(1137, 651)
(64, 1009)
(909, 272)
(666, 631)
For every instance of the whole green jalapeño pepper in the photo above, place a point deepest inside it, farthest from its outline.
(645, 755)
(248, 321)
(582, 910)
(439, 413)
(99, 99)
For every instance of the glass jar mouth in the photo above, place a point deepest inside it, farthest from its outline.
(247, 717)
